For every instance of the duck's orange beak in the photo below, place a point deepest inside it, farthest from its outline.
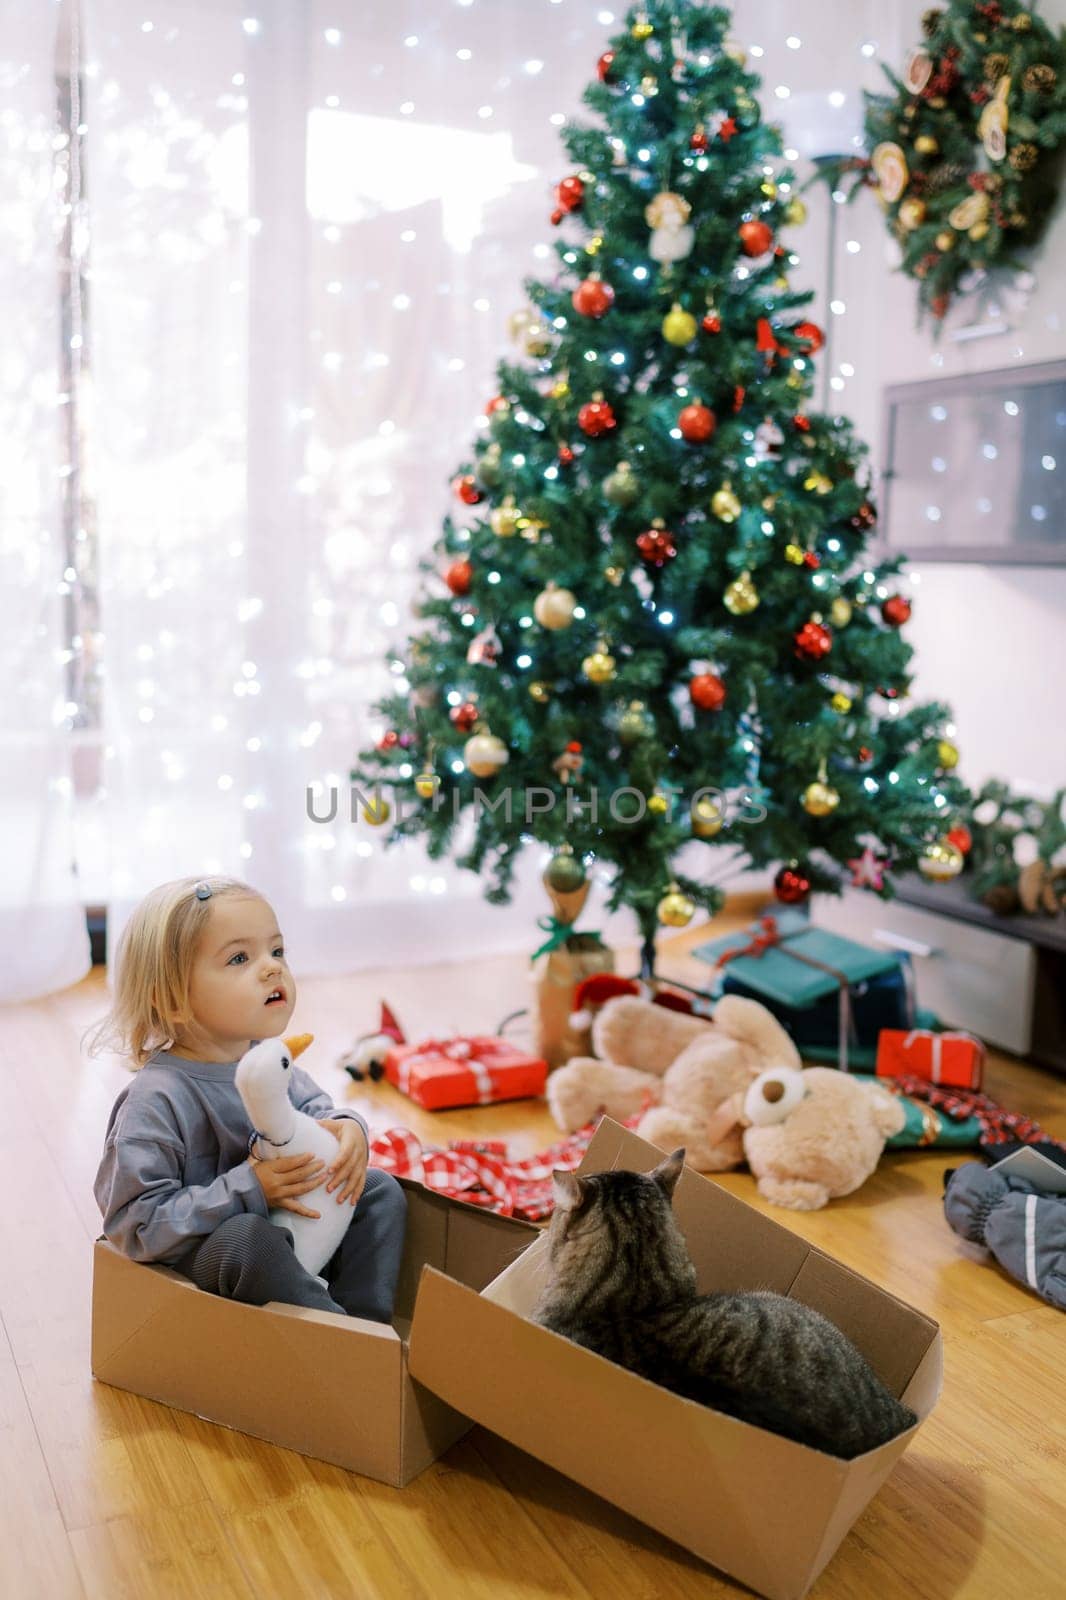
(298, 1043)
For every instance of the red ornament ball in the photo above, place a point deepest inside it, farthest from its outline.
(864, 755)
(792, 886)
(389, 740)
(813, 641)
(961, 837)
(812, 559)
(697, 423)
(592, 298)
(738, 396)
(498, 402)
(459, 575)
(656, 546)
(570, 193)
(463, 717)
(801, 423)
(466, 489)
(712, 323)
(896, 610)
(557, 216)
(707, 691)
(566, 456)
(604, 66)
(755, 237)
(595, 418)
(811, 334)
(698, 139)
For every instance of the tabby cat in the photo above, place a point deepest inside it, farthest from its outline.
(620, 1281)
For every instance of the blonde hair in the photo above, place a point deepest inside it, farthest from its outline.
(153, 967)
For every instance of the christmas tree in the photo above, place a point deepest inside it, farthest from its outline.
(652, 630)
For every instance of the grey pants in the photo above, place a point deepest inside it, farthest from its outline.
(248, 1258)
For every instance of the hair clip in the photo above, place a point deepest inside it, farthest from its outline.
(203, 891)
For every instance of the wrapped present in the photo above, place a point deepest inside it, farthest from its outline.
(827, 991)
(565, 960)
(954, 1059)
(862, 1057)
(439, 1074)
(925, 1126)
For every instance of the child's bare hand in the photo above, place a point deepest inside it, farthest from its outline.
(285, 1178)
(347, 1174)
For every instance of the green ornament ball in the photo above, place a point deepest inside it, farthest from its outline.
(621, 487)
(565, 873)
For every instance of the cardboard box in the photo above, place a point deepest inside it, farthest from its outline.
(337, 1388)
(762, 1508)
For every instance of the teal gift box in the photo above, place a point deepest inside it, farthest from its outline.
(832, 994)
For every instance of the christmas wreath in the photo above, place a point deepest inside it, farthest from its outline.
(962, 153)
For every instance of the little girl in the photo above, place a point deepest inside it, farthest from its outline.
(200, 964)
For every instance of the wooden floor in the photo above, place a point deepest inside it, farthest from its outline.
(105, 1495)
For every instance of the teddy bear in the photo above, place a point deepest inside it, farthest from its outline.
(681, 1069)
(812, 1136)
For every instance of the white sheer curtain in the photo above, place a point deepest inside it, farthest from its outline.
(44, 942)
(310, 225)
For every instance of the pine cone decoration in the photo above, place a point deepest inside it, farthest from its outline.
(1024, 157)
(931, 21)
(1040, 79)
(995, 65)
(947, 176)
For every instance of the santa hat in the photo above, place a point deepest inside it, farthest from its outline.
(592, 993)
(367, 1055)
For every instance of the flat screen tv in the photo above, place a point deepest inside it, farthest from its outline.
(975, 467)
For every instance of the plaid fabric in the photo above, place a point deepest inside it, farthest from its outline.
(998, 1126)
(480, 1172)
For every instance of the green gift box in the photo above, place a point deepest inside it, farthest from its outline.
(925, 1126)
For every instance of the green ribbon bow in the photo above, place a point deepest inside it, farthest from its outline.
(558, 933)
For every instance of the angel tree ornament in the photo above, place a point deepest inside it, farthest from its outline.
(672, 237)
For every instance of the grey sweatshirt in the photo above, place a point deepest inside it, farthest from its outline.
(175, 1162)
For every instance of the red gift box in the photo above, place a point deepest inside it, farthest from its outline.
(466, 1071)
(955, 1060)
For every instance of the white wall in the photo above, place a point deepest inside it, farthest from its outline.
(991, 641)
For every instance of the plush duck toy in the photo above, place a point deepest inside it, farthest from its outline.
(263, 1078)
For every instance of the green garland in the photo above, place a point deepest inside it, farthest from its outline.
(962, 153)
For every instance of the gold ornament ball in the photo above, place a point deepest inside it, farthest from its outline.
(947, 755)
(538, 340)
(978, 231)
(794, 379)
(706, 819)
(484, 755)
(841, 704)
(539, 692)
(635, 723)
(940, 861)
(504, 520)
(679, 326)
(565, 872)
(911, 214)
(741, 596)
(600, 666)
(658, 804)
(945, 239)
(820, 799)
(926, 145)
(725, 504)
(641, 30)
(675, 909)
(794, 554)
(735, 52)
(560, 390)
(377, 812)
(796, 212)
(817, 483)
(595, 245)
(426, 785)
(840, 612)
(769, 189)
(614, 575)
(554, 607)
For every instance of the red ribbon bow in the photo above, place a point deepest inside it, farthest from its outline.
(769, 935)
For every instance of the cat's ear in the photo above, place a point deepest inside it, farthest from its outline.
(569, 1190)
(667, 1172)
